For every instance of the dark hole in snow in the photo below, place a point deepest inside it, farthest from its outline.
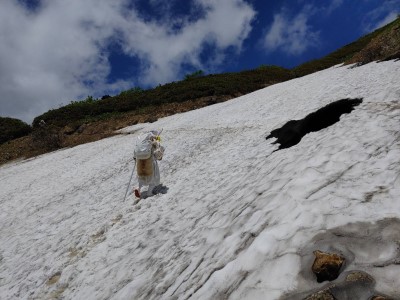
(293, 131)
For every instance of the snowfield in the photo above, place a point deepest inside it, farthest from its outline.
(235, 219)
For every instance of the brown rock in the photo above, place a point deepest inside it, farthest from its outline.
(326, 266)
(361, 277)
(321, 295)
(68, 130)
(81, 128)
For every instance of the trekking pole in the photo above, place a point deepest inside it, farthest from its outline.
(129, 183)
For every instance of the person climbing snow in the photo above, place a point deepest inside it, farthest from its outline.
(148, 151)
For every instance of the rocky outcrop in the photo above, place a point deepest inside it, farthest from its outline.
(385, 46)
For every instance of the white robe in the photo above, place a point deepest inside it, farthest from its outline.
(148, 172)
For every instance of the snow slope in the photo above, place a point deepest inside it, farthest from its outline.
(238, 220)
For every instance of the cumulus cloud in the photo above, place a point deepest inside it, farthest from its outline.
(59, 51)
(154, 43)
(52, 54)
(291, 34)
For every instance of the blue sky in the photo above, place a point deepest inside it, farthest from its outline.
(56, 51)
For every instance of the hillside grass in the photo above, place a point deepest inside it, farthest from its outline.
(218, 85)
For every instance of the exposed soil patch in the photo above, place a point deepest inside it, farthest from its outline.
(293, 131)
(54, 279)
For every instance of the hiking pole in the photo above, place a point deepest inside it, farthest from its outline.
(129, 183)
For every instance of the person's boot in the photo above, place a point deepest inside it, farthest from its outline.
(150, 191)
(137, 193)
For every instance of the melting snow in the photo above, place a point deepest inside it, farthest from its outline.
(238, 221)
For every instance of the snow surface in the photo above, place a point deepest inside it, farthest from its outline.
(237, 220)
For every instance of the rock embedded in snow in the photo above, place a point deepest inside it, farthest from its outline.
(327, 266)
(321, 295)
(372, 256)
(353, 285)
(381, 298)
(360, 277)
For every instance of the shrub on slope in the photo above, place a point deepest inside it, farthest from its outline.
(12, 128)
(228, 84)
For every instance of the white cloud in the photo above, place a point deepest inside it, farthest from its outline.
(154, 43)
(59, 52)
(291, 35)
(384, 14)
(391, 16)
(334, 4)
(48, 55)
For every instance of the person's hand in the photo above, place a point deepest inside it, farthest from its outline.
(158, 154)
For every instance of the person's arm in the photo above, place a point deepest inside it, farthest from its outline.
(159, 151)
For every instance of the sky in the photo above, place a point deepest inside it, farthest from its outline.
(53, 52)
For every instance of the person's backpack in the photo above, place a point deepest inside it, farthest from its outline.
(143, 146)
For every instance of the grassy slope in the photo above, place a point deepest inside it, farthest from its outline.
(215, 86)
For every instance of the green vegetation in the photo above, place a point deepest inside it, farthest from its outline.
(131, 92)
(196, 74)
(270, 67)
(12, 128)
(228, 84)
(89, 100)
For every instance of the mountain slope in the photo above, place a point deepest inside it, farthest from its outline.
(235, 219)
